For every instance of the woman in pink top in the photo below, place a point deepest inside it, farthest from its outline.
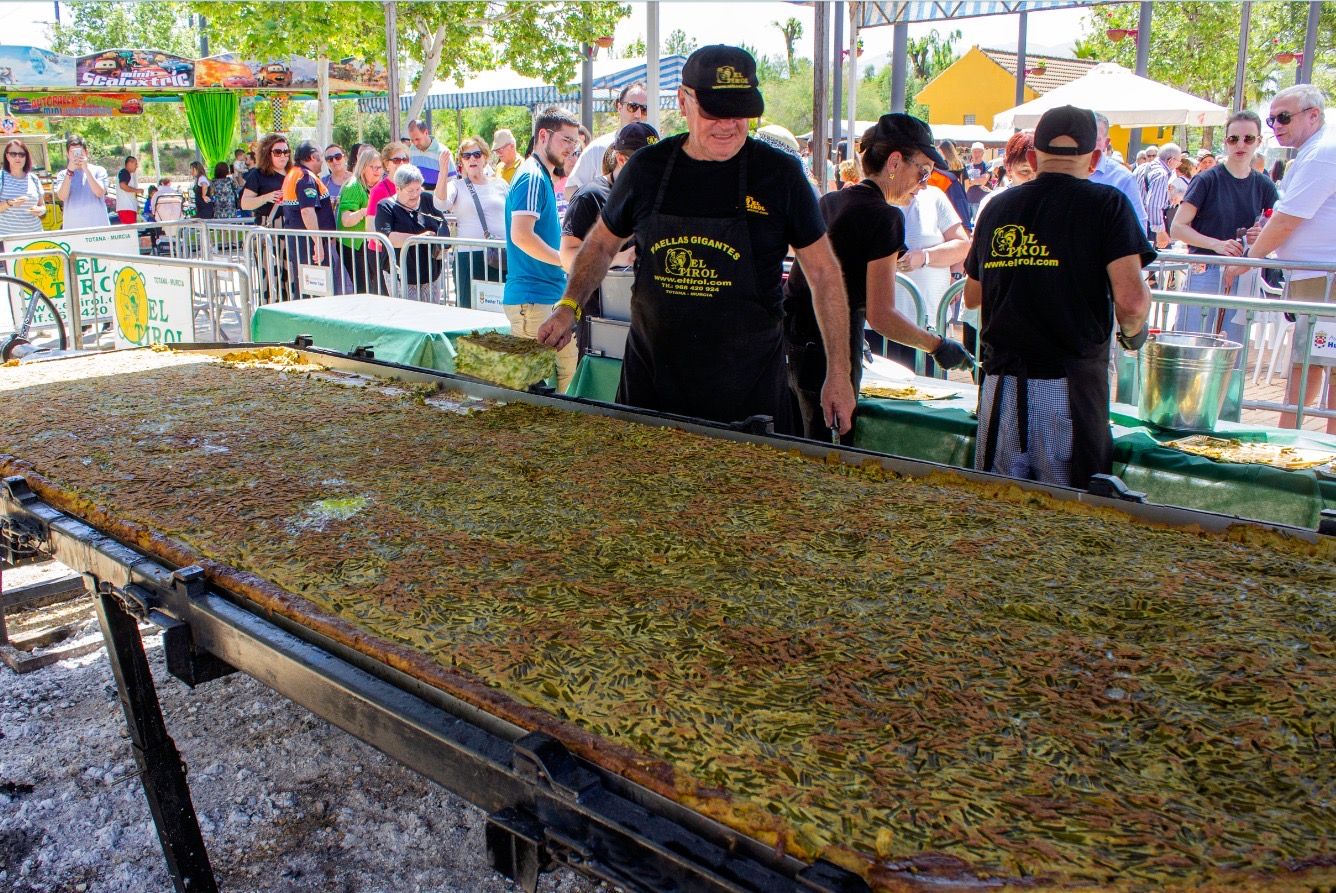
(393, 155)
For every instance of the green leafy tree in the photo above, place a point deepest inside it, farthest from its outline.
(679, 43)
(792, 30)
(1194, 45)
(929, 56)
(636, 49)
(446, 40)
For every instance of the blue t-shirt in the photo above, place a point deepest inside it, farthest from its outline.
(529, 280)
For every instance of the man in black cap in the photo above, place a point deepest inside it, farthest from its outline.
(1051, 292)
(713, 214)
(868, 235)
(587, 203)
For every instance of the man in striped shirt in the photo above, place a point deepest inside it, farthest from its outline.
(1155, 191)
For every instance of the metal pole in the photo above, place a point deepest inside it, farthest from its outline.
(587, 87)
(837, 73)
(1244, 24)
(899, 64)
(820, 115)
(392, 67)
(1021, 30)
(1305, 74)
(653, 81)
(1143, 61)
(849, 134)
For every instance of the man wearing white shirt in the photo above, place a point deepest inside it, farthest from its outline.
(1303, 225)
(82, 188)
(632, 105)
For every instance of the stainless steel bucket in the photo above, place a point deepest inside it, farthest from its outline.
(1184, 378)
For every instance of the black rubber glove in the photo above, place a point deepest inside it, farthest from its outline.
(1134, 342)
(952, 354)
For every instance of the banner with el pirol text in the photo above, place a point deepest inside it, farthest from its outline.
(153, 303)
(92, 274)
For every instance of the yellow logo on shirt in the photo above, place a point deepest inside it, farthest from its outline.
(726, 77)
(1012, 246)
(756, 207)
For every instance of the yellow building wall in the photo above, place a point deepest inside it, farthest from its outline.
(1121, 137)
(972, 85)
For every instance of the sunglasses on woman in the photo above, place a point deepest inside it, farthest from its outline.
(400, 159)
(334, 156)
(16, 154)
(280, 151)
(1233, 139)
(1284, 118)
(472, 153)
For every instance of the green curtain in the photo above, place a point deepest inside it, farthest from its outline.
(213, 119)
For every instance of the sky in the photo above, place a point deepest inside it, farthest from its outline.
(711, 21)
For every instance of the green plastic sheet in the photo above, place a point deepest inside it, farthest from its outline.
(408, 332)
(213, 116)
(943, 431)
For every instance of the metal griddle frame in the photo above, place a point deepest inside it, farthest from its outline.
(544, 805)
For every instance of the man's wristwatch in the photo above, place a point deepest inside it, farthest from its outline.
(575, 308)
(1134, 342)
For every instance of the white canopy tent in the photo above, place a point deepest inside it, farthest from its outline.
(1121, 96)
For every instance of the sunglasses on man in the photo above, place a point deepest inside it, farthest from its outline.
(637, 107)
(1284, 118)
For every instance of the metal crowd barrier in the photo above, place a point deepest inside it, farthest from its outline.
(1306, 313)
(449, 270)
(61, 261)
(275, 258)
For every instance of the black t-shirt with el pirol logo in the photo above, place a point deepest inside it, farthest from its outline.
(1040, 252)
(781, 206)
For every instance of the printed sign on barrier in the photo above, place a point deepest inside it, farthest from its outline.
(1324, 342)
(152, 303)
(488, 296)
(315, 280)
(93, 274)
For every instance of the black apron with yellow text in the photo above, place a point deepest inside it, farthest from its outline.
(702, 343)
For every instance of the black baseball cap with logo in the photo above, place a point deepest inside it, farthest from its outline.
(724, 81)
(1070, 121)
(899, 129)
(635, 136)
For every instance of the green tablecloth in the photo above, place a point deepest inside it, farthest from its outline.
(409, 332)
(943, 431)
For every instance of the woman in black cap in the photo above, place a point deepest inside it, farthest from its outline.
(868, 235)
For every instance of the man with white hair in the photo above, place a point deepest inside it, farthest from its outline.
(976, 179)
(1303, 224)
(1111, 173)
(506, 153)
(1155, 191)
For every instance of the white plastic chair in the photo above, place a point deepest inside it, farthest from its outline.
(1274, 333)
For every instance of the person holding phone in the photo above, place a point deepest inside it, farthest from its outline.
(21, 207)
(82, 188)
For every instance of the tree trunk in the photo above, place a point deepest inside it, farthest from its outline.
(430, 63)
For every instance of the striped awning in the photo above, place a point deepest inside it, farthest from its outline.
(892, 12)
(504, 87)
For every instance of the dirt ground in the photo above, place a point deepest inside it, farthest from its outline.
(286, 801)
